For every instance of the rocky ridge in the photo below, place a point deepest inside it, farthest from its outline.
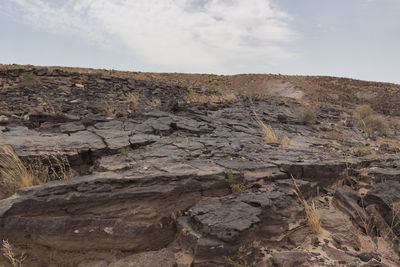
(156, 177)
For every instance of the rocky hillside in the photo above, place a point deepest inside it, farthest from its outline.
(141, 169)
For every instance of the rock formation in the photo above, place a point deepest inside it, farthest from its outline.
(168, 175)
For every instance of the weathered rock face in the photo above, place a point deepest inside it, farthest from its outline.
(154, 184)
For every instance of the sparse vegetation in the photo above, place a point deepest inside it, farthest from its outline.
(375, 125)
(15, 174)
(132, 100)
(335, 135)
(313, 216)
(212, 96)
(307, 114)
(270, 136)
(239, 260)
(124, 150)
(234, 185)
(29, 80)
(192, 95)
(9, 254)
(114, 109)
(363, 111)
(372, 124)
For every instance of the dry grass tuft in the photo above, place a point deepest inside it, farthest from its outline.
(15, 174)
(8, 252)
(50, 168)
(313, 215)
(132, 100)
(270, 136)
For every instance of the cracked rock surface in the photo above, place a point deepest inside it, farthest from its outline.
(171, 183)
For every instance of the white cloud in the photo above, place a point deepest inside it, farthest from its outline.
(178, 35)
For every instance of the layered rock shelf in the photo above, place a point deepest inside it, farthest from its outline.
(166, 180)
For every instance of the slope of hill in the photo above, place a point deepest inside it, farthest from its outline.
(105, 168)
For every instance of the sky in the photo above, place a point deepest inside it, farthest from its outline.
(346, 38)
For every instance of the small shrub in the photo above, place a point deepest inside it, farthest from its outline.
(363, 111)
(192, 95)
(233, 183)
(124, 150)
(371, 123)
(29, 80)
(375, 125)
(307, 115)
(239, 260)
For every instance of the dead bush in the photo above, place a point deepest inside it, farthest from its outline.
(307, 114)
(371, 123)
(363, 111)
(375, 125)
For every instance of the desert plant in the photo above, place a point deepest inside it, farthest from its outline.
(313, 216)
(132, 100)
(234, 185)
(15, 174)
(192, 95)
(284, 141)
(307, 114)
(48, 168)
(114, 109)
(270, 136)
(363, 111)
(239, 260)
(371, 123)
(8, 252)
(29, 80)
(375, 125)
(125, 150)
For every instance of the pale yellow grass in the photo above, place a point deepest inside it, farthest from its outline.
(313, 216)
(13, 172)
(9, 254)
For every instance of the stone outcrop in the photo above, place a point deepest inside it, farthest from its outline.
(163, 182)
